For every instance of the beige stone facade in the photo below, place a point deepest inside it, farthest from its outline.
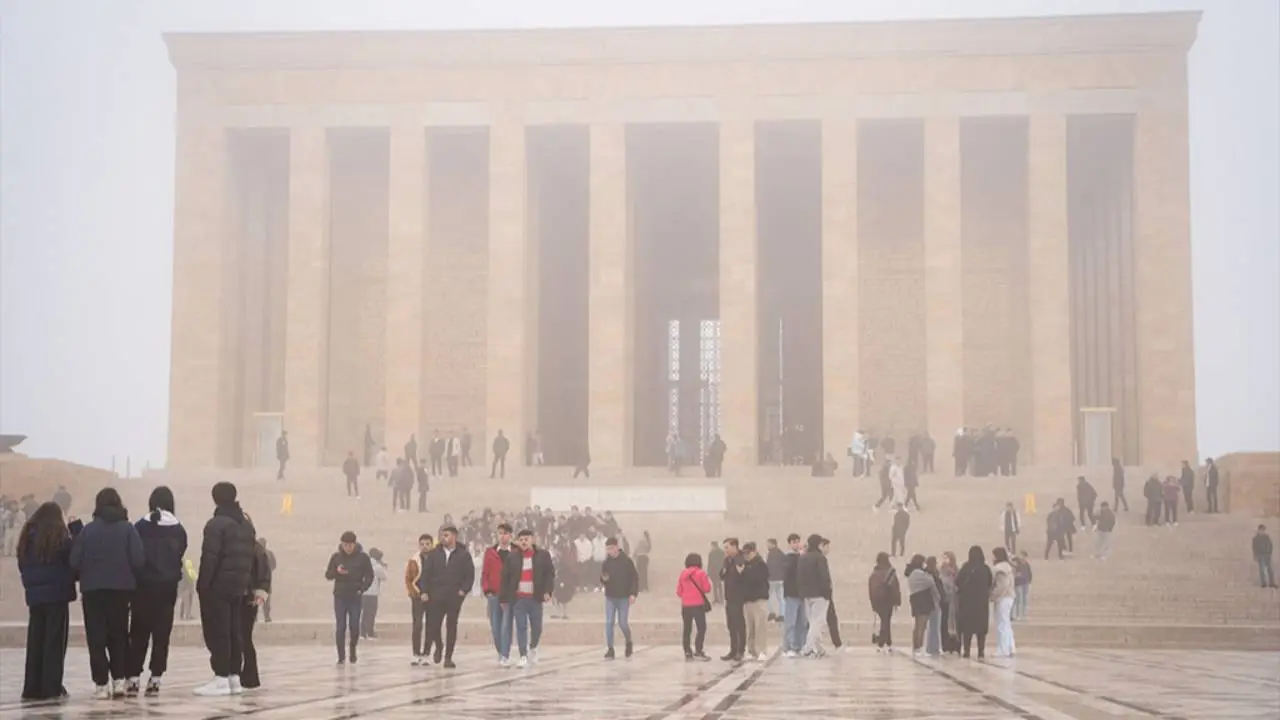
(950, 290)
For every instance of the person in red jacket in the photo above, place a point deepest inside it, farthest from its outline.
(500, 621)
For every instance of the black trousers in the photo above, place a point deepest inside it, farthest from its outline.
(1171, 511)
(346, 618)
(736, 619)
(833, 624)
(106, 632)
(898, 545)
(453, 465)
(885, 638)
(368, 615)
(1011, 541)
(1188, 494)
(911, 498)
(642, 571)
(353, 485)
(249, 668)
(1153, 512)
(220, 620)
(499, 466)
(886, 493)
(421, 635)
(1120, 499)
(1061, 542)
(444, 611)
(436, 467)
(422, 501)
(280, 472)
(466, 457)
(928, 462)
(47, 629)
(1211, 498)
(151, 622)
(691, 616)
(581, 470)
(965, 639)
(1088, 517)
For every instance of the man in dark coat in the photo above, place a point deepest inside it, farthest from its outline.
(927, 448)
(282, 452)
(1188, 482)
(351, 470)
(450, 574)
(973, 601)
(715, 457)
(1086, 496)
(1211, 485)
(1117, 484)
(501, 445)
(351, 573)
(521, 599)
(226, 566)
(734, 611)
(1154, 494)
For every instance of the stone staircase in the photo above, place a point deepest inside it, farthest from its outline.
(1191, 585)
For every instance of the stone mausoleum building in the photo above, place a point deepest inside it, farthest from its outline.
(604, 234)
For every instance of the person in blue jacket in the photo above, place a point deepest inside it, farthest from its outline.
(44, 560)
(164, 542)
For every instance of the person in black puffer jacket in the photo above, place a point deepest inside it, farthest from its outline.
(164, 542)
(226, 565)
(813, 576)
(107, 554)
(352, 574)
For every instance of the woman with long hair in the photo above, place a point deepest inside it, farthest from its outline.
(947, 573)
(107, 555)
(44, 560)
(164, 542)
(692, 587)
(933, 632)
(973, 586)
(886, 594)
(1002, 600)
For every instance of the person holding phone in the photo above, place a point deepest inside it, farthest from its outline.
(352, 574)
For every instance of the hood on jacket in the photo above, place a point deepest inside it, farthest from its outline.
(359, 549)
(110, 513)
(167, 519)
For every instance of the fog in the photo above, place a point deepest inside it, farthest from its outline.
(87, 103)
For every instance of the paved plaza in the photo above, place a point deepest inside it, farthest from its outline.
(301, 683)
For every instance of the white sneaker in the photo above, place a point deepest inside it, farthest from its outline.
(523, 661)
(102, 692)
(236, 687)
(504, 662)
(416, 661)
(790, 654)
(533, 655)
(217, 687)
(117, 688)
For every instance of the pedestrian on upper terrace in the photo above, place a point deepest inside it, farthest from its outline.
(1106, 524)
(674, 459)
(911, 481)
(776, 561)
(1022, 584)
(352, 574)
(424, 485)
(351, 469)
(450, 573)
(755, 594)
(527, 581)
(258, 596)
(370, 447)
(226, 569)
(621, 586)
(539, 449)
(734, 612)
(63, 499)
(453, 454)
(582, 464)
(164, 542)
(1171, 492)
(1011, 526)
(465, 445)
(923, 593)
(436, 450)
(1188, 482)
(1262, 549)
(1086, 496)
(382, 465)
(1002, 595)
(1154, 494)
(714, 463)
(824, 466)
(501, 445)
(886, 595)
(107, 557)
(282, 452)
(927, 449)
(692, 587)
(44, 561)
(715, 559)
(411, 450)
(369, 600)
(402, 479)
(643, 547)
(1056, 528)
(973, 588)
(1117, 484)
(886, 485)
(898, 539)
(961, 447)
(913, 449)
(1211, 485)
(813, 575)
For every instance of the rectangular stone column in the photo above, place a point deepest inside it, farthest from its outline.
(307, 329)
(944, 301)
(739, 324)
(609, 401)
(199, 243)
(1162, 264)
(1051, 439)
(406, 252)
(839, 284)
(507, 356)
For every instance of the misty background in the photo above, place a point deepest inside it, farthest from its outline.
(87, 107)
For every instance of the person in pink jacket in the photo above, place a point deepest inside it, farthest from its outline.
(692, 589)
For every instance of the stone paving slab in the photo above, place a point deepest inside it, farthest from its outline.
(302, 683)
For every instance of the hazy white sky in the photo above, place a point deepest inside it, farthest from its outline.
(86, 191)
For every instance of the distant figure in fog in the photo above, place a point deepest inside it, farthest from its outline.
(351, 469)
(1117, 484)
(1211, 485)
(282, 452)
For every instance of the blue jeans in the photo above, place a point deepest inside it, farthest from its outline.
(346, 616)
(1266, 576)
(795, 627)
(619, 609)
(499, 625)
(527, 613)
(776, 601)
(933, 633)
(1020, 599)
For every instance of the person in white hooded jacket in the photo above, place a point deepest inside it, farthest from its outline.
(1002, 593)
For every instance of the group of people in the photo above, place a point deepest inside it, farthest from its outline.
(986, 451)
(128, 575)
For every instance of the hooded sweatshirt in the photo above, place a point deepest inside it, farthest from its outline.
(920, 584)
(359, 572)
(108, 553)
(164, 542)
(1002, 584)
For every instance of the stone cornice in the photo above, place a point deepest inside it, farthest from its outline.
(711, 44)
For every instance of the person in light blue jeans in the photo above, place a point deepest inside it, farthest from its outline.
(795, 626)
(621, 585)
(777, 563)
(527, 612)
(1022, 584)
